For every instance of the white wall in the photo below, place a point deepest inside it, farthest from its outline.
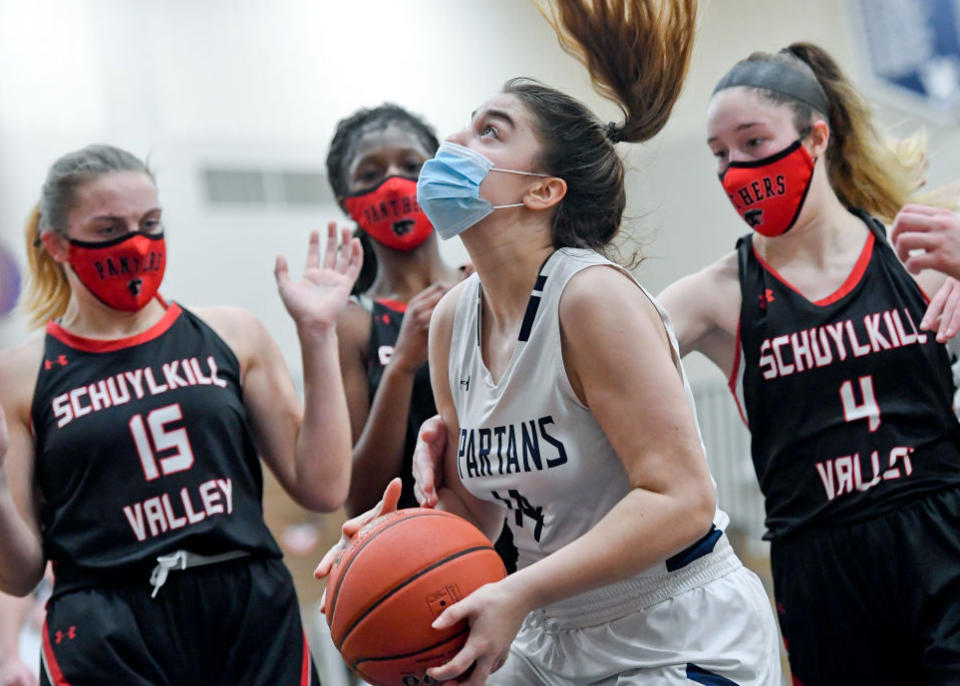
(188, 82)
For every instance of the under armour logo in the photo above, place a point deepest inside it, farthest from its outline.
(403, 226)
(754, 218)
(61, 360)
(71, 634)
(766, 297)
(135, 286)
(465, 383)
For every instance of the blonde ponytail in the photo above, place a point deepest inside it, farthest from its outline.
(48, 291)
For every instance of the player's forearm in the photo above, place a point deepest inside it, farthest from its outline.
(322, 453)
(378, 453)
(13, 615)
(21, 555)
(644, 528)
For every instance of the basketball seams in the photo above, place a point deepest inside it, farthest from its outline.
(448, 639)
(343, 574)
(406, 582)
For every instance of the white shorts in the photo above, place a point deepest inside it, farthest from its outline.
(721, 632)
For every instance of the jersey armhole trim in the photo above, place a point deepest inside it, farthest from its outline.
(96, 345)
(734, 381)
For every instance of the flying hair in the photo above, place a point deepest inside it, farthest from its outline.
(637, 53)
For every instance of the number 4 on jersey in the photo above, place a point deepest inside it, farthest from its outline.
(868, 409)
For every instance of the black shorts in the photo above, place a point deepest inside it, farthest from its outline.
(877, 602)
(231, 623)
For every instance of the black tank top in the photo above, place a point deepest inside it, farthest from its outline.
(849, 405)
(143, 446)
(386, 318)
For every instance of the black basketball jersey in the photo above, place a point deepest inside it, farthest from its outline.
(143, 447)
(849, 404)
(386, 317)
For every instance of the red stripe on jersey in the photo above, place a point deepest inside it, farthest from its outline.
(732, 381)
(50, 660)
(97, 345)
(395, 305)
(305, 670)
(848, 285)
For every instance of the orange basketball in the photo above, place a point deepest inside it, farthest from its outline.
(397, 575)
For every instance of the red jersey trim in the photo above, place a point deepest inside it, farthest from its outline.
(395, 305)
(96, 345)
(734, 374)
(305, 669)
(50, 661)
(848, 285)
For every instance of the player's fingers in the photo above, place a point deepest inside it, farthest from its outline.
(313, 251)
(453, 614)
(391, 496)
(281, 272)
(458, 665)
(356, 260)
(935, 308)
(330, 250)
(326, 563)
(928, 210)
(918, 262)
(951, 314)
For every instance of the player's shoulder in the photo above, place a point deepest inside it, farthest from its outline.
(19, 367)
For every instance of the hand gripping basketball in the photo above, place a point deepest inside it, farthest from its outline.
(391, 496)
(398, 574)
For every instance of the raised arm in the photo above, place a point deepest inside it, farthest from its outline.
(306, 445)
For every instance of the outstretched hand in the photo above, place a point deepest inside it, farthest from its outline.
(319, 297)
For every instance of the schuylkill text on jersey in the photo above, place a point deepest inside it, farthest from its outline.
(144, 446)
(849, 404)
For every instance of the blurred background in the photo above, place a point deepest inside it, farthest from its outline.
(233, 102)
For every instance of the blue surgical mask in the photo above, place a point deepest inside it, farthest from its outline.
(448, 190)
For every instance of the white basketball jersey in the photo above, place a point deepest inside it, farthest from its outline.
(527, 442)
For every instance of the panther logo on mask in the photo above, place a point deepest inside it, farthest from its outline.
(753, 217)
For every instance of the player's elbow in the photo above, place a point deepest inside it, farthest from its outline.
(699, 507)
(20, 583)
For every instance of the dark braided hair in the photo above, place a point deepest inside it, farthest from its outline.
(343, 148)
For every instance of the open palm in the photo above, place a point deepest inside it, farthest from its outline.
(320, 296)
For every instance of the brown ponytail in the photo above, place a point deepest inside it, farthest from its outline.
(637, 52)
(48, 291)
(867, 169)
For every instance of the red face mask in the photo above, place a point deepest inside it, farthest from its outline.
(769, 193)
(123, 273)
(390, 214)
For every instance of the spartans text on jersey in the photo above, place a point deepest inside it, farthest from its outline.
(516, 447)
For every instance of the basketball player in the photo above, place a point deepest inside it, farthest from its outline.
(817, 325)
(554, 416)
(134, 430)
(373, 164)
